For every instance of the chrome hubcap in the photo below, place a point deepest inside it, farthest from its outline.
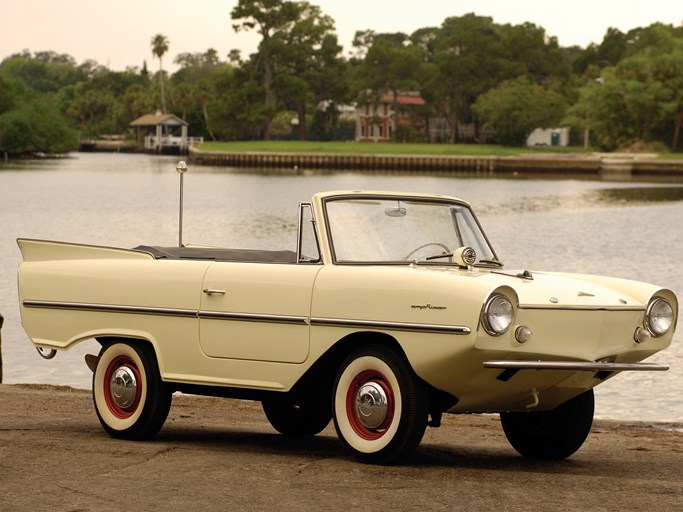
(123, 387)
(371, 405)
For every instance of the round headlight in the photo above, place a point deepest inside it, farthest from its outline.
(497, 315)
(659, 317)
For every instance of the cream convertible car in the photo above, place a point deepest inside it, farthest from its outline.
(392, 310)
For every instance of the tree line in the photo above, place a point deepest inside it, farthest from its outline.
(500, 78)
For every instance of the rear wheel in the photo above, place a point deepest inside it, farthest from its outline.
(379, 406)
(554, 434)
(297, 419)
(130, 399)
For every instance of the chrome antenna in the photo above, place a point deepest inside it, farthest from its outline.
(182, 169)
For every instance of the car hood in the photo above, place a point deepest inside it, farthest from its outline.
(557, 290)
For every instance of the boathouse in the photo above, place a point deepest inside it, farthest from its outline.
(165, 133)
(376, 119)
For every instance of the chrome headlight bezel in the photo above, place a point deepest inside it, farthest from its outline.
(497, 315)
(659, 317)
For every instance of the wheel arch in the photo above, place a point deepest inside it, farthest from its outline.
(149, 341)
(322, 374)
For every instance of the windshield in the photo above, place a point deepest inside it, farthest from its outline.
(384, 230)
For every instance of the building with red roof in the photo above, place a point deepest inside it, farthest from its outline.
(378, 118)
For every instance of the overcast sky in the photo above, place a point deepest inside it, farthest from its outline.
(117, 34)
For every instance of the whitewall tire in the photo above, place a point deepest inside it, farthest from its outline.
(130, 399)
(379, 406)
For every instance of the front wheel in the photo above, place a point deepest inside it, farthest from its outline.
(130, 398)
(554, 434)
(379, 406)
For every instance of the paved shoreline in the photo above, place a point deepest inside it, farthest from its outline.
(217, 454)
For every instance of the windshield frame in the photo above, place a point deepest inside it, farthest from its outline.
(405, 198)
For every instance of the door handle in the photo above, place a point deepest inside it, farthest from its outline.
(210, 291)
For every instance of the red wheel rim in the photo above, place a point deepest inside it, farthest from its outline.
(365, 377)
(116, 409)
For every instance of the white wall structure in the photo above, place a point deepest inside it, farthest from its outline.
(558, 137)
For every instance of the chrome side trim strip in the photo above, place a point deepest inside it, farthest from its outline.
(393, 326)
(110, 308)
(248, 317)
(253, 317)
(177, 312)
(581, 308)
(575, 366)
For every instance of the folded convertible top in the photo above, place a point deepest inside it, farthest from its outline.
(218, 254)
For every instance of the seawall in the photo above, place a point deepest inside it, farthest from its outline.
(607, 164)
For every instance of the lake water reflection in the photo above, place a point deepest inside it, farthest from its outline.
(630, 230)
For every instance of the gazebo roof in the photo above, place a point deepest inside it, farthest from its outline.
(159, 119)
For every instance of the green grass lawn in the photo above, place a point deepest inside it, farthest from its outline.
(670, 156)
(286, 146)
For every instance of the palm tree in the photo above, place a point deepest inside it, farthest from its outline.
(159, 48)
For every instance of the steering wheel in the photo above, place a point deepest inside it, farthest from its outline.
(438, 244)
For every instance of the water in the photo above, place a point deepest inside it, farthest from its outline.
(630, 230)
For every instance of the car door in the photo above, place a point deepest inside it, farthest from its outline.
(257, 311)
